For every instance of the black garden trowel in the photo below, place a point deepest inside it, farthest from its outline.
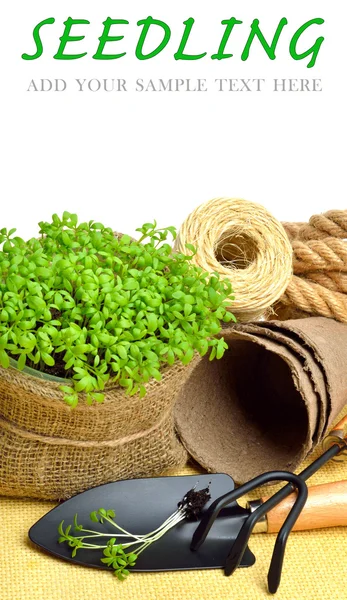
(142, 505)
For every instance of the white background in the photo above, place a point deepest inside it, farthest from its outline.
(127, 158)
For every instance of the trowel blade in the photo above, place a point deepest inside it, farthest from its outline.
(141, 505)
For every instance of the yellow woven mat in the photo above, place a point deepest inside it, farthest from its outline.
(315, 565)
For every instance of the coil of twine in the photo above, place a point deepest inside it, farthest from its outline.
(319, 283)
(242, 242)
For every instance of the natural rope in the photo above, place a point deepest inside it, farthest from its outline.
(242, 242)
(292, 229)
(332, 280)
(319, 284)
(319, 255)
(316, 299)
(330, 224)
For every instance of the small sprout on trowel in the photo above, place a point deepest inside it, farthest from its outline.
(115, 553)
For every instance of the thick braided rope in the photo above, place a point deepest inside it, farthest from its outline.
(332, 280)
(330, 224)
(319, 284)
(292, 229)
(319, 255)
(315, 299)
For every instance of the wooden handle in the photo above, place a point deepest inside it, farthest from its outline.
(338, 436)
(342, 426)
(326, 506)
(340, 430)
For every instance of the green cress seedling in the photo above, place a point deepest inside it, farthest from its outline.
(80, 303)
(120, 555)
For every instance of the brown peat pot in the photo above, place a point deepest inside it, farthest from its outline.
(269, 401)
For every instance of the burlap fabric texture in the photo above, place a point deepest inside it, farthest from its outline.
(269, 401)
(50, 451)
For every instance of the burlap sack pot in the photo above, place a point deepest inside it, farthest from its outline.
(269, 401)
(50, 451)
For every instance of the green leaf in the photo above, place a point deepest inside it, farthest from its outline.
(191, 248)
(97, 226)
(58, 300)
(94, 516)
(220, 348)
(81, 349)
(43, 272)
(203, 347)
(132, 558)
(3, 341)
(47, 359)
(131, 284)
(188, 356)
(83, 384)
(155, 373)
(152, 322)
(98, 397)
(4, 359)
(72, 400)
(73, 219)
(66, 389)
(38, 304)
(122, 352)
(60, 528)
(119, 575)
(21, 361)
(187, 309)
(229, 317)
(178, 295)
(213, 296)
(213, 353)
